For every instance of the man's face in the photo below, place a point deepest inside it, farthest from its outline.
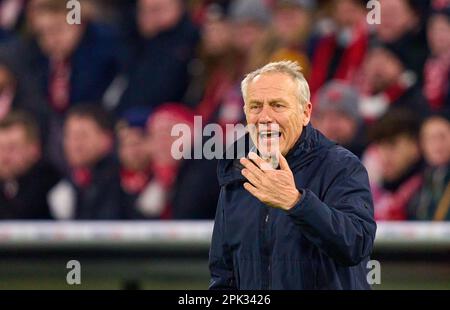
(216, 37)
(154, 16)
(397, 156)
(56, 37)
(273, 108)
(132, 149)
(291, 24)
(435, 141)
(85, 143)
(17, 152)
(160, 139)
(245, 35)
(336, 126)
(346, 13)
(439, 35)
(381, 69)
(397, 19)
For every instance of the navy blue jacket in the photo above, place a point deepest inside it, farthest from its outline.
(323, 242)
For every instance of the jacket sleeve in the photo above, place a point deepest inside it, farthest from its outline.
(220, 258)
(342, 225)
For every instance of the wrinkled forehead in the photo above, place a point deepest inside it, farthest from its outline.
(269, 85)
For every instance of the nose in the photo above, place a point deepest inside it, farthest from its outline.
(265, 116)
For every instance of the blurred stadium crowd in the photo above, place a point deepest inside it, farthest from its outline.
(86, 110)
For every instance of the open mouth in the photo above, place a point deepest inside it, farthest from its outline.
(269, 134)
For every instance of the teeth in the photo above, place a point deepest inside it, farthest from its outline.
(267, 134)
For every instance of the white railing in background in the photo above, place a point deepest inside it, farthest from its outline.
(395, 235)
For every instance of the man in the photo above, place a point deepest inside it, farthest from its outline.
(94, 173)
(135, 161)
(396, 157)
(306, 225)
(63, 57)
(402, 28)
(162, 48)
(437, 67)
(63, 65)
(249, 20)
(432, 201)
(24, 179)
(387, 82)
(339, 55)
(292, 23)
(337, 116)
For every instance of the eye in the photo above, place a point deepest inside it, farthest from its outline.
(277, 106)
(254, 108)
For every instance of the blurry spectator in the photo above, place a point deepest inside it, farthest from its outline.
(399, 18)
(250, 20)
(432, 202)
(161, 52)
(94, 179)
(402, 29)
(227, 59)
(135, 162)
(396, 156)
(386, 81)
(7, 90)
(11, 17)
(198, 9)
(173, 192)
(155, 202)
(337, 116)
(76, 63)
(20, 92)
(215, 68)
(293, 21)
(25, 179)
(216, 30)
(437, 67)
(68, 64)
(187, 199)
(289, 37)
(339, 55)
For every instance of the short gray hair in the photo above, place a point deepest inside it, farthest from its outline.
(290, 68)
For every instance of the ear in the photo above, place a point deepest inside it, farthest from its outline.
(307, 111)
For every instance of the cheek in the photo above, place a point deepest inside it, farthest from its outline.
(294, 123)
(429, 146)
(386, 156)
(251, 118)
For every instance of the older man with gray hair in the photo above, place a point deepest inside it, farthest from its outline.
(307, 221)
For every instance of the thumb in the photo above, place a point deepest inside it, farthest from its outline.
(283, 162)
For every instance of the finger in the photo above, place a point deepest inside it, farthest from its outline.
(283, 162)
(251, 177)
(256, 159)
(261, 163)
(252, 167)
(251, 189)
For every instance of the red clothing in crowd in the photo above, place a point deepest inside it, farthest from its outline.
(348, 65)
